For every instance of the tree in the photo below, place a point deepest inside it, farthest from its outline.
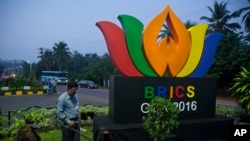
(92, 69)
(165, 31)
(220, 16)
(75, 65)
(189, 24)
(1, 69)
(246, 20)
(48, 59)
(61, 54)
(246, 17)
(227, 61)
(41, 51)
(108, 67)
(89, 66)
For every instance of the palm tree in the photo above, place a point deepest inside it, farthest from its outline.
(165, 31)
(246, 20)
(41, 56)
(47, 59)
(189, 24)
(61, 54)
(220, 18)
(75, 65)
(246, 17)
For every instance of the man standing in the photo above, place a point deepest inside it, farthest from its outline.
(67, 111)
(49, 89)
(54, 86)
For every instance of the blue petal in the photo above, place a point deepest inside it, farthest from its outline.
(208, 54)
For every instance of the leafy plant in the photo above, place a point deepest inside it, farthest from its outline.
(89, 111)
(225, 111)
(161, 119)
(17, 123)
(43, 119)
(49, 120)
(102, 110)
(3, 131)
(55, 134)
(34, 115)
(241, 88)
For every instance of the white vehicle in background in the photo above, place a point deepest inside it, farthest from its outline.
(61, 77)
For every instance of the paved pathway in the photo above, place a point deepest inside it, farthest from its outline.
(226, 101)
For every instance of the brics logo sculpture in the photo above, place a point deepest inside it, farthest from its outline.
(138, 52)
(185, 57)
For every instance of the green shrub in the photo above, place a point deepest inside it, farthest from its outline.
(225, 111)
(3, 131)
(161, 119)
(241, 88)
(43, 119)
(17, 123)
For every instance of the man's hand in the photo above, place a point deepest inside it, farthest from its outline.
(71, 123)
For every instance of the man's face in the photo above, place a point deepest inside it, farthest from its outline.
(72, 91)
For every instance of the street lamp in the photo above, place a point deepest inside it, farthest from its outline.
(21, 67)
(30, 65)
(17, 71)
(13, 71)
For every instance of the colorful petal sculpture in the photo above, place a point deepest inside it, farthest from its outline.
(116, 44)
(133, 33)
(211, 43)
(170, 53)
(197, 34)
(137, 52)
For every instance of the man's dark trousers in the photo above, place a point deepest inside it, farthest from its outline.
(71, 133)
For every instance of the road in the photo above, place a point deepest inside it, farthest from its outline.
(97, 97)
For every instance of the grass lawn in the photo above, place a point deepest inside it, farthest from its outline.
(56, 135)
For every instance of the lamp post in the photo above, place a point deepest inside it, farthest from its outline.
(30, 66)
(21, 70)
(17, 71)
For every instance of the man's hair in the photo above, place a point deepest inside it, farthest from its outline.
(72, 84)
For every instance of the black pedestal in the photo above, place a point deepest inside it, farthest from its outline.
(207, 129)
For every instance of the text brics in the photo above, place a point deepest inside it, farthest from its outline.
(178, 92)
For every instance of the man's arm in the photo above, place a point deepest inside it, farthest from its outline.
(77, 103)
(60, 111)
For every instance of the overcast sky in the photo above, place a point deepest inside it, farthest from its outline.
(27, 25)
